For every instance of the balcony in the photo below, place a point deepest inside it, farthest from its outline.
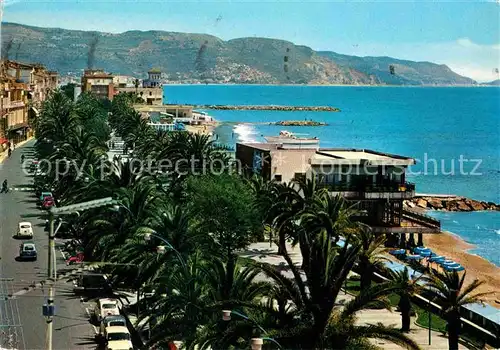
(12, 104)
(388, 190)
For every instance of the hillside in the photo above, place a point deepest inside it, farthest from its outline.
(492, 83)
(189, 58)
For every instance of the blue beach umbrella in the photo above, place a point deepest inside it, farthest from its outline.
(458, 267)
(450, 265)
(414, 257)
(444, 262)
(437, 258)
(397, 252)
(426, 253)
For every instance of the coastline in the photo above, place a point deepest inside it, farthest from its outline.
(454, 247)
(205, 129)
(335, 85)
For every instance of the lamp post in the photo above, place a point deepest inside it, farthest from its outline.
(161, 249)
(48, 309)
(256, 343)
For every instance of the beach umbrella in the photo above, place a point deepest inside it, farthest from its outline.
(458, 267)
(450, 265)
(414, 257)
(397, 252)
(437, 258)
(425, 253)
(446, 262)
(419, 250)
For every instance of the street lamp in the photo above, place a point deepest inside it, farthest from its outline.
(256, 343)
(48, 309)
(161, 249)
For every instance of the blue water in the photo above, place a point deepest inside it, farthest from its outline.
(454, 133)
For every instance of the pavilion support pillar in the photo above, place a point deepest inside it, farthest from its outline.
(420, 242)
(402, 240)
(411, 241)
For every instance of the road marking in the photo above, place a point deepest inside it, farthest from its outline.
(23, 189)
(96, 330)
(62, 253)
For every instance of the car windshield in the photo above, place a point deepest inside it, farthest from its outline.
(118, 336)
(25, 226)
(116, 323)
(108, 306)
(29, 247)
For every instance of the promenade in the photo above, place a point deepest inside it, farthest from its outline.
(264, 252)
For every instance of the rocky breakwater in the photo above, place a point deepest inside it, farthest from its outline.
(450, 204)
(298, 123)
(270, 108)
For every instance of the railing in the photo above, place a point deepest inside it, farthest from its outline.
(387, 187)
(421, 218)
(13, 104)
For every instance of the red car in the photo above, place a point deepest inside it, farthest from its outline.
(48, 202)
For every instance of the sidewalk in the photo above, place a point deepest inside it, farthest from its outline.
(5, 153)
(264, 252)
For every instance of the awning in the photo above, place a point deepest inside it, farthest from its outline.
(37, 112)
(17, 126)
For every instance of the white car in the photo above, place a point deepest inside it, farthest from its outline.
(117, 338)
(25, 230)
(106, 307)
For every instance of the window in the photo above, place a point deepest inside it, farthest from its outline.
(299, 176)
(277, 177)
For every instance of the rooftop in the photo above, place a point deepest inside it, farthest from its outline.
(341, 156)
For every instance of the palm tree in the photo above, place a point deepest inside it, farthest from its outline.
(452, 292)
(407, 288)
(370, 257)
(136, 85)
(316, 319)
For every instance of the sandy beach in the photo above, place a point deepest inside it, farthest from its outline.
(205, 129)
(453, 247)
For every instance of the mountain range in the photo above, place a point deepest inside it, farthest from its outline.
(202, 58)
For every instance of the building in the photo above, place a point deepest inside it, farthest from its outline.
(153, 80)
(149, 95)
(99, 83)
(173, 111)
(23, 89)
(373, 180)
(125, 81)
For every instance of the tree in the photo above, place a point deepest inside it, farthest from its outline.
(407, 288)
(450, 289)
(69, 90)
(371, 257)
(221, 208)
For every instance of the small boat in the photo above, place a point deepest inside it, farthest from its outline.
(289, 139)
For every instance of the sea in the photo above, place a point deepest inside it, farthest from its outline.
(452, 132)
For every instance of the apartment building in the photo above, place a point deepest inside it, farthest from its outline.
(23, 87)
(99, 83)
(374, 181)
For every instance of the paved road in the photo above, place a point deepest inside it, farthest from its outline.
(22, 325)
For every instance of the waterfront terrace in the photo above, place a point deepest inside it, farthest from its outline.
(374, 181)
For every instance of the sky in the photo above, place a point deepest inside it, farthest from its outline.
(465, 35)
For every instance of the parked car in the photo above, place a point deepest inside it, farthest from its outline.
(27, 251)
(92, 283)
(24, 230)
(106, 307)
(48, 202)
(112, 321)
(117, 338)
(45, 194)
